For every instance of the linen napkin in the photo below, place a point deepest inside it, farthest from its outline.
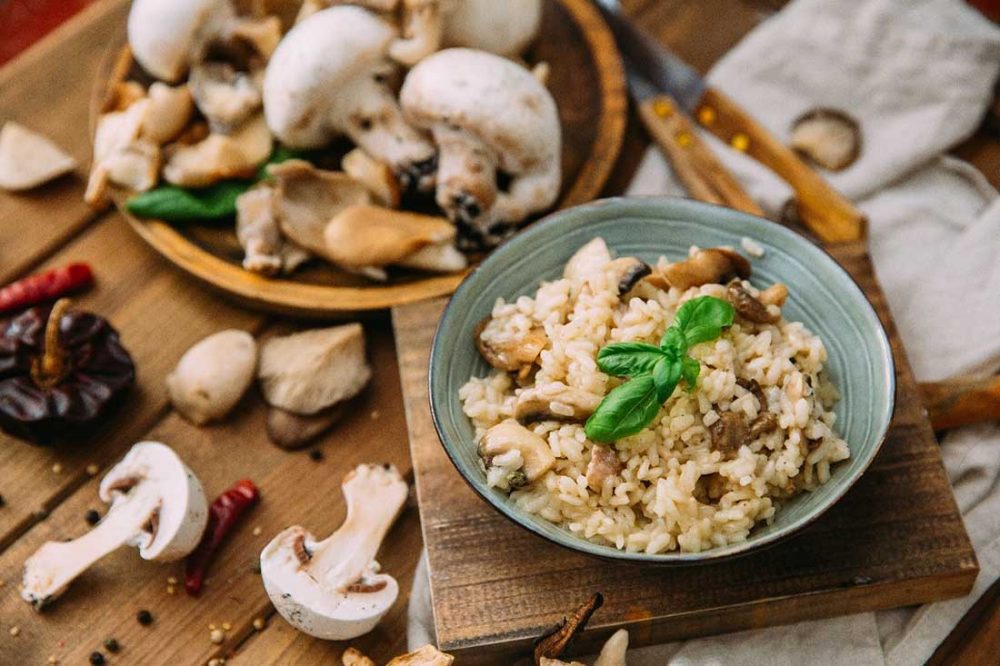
(917, 75)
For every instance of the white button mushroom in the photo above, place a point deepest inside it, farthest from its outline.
(327, 78)
(157, 506)
(213, 375)
(487, 114)
(332, 589)
(168, 36)
(505, 28)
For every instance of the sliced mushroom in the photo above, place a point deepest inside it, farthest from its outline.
(374, 175)
(365, 237)
(555, 402)
(487, 115)
(628, 272)
(747, 305)
(257, 230)
(588, 261)
(428, 655)
(729, 433)
(157, 506)
(510, 353)
(293, 431)
(168, 113)
(776, 294)
(213, 375)
(226, 97)
(28, 159)
(332, 589)
(711, 266)
(509, 436)
(603, 465)
(135, 166)
(307, 372)
(117, 132)
(220, 156)
(828, 137)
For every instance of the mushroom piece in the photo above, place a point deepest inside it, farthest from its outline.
(167, 36)
(588, 261)
(505, 28)
(257, 230)
(292, 431)
(627, 272)
(748, 306)
(487, 115)
(513, 456)
(306, 372)
(555, 402)
(157, 506)
(220, 156)
(550, 646)
(428, 655)
(729, 433)
(353, 656)
(367, 238)
(510, 352)
(375, 176)
(213, 375)
(333, 589)
(307, 198)
(168, 113)
(226, 97)
(614, 649)
(603, 465)
(710, 266)
(120, 155)
(28, 159)
(828, 137)
(343, 49)
(776, 294)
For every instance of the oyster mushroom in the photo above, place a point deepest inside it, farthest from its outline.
(343, 49)
(157, 506)
(307, 372)
(367, 238)
(120, 155)
(333, 589)
(828, 137)
(220, 156)
(225, 96)
(555, 402)
(213, 375)
(507, 351)
(748, 306)
(377, 178)
(513, 456)
(710, 266)
(487, 115)
(28, 159)
(257, 230)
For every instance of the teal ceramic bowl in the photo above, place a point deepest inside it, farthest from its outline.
(823, 296)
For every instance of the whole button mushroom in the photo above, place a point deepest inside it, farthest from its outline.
(213, 375)
(332, 589)
(168, 36)
(157, 506)
(328, 78)
(486, 114)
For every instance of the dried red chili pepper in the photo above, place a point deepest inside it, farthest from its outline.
(223, 515)
(47, 286)
(60, 372)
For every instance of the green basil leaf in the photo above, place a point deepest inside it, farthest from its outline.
(627, 359)
(690, 369)
(666, 374)
(625, 410)
(673, 342)
(702, 319)
(176, 204)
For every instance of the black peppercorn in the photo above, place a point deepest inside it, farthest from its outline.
(97, 658)
(92, 517)
(3, 502)
(112, 646)
(145, 618)
(316, 455)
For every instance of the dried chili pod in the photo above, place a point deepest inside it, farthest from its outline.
(60, 372)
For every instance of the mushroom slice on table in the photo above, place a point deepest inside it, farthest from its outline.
(306, 372)
(368, 238)
(257, 230)
(28, 159)
(714, 265)
(510, 351)
(514, 456)
(333, 589)
(220, 156)
(555, 402)
(157, 506)
(213, 375)
(343, 49)
(487, 115)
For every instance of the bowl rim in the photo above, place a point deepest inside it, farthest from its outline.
(581, 545)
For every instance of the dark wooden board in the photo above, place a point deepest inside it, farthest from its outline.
(895, 539)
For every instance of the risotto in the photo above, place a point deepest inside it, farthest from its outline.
(718, 457)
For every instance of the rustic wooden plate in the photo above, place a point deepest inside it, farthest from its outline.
(587, 81)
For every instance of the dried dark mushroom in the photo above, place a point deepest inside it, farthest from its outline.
(729, 433)
(514, 355)
(628, 272)
(553, 643)
(828, 137)
(60, 372)
(762, 425)
(714, 265)
(748, 306)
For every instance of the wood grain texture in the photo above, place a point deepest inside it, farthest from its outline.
(958, 402)
(895, 539)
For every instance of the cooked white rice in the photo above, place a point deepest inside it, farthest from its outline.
(674, 491)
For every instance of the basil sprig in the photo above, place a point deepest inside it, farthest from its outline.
(654, 371)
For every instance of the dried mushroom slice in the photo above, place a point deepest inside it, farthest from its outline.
(828, 137)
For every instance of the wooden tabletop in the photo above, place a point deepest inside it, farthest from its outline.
(160, 313)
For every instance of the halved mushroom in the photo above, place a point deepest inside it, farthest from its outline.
(513, 456)
(343, 49)
(487, 115)
(555, 402)
(510, 352)
(333, 589)
(589, 260)
(28, 159)
(710, 266)
(220, 156)
(157, 506)
(307, 372)
(213, 375)
(368, 238)
(292, 431)
(375, 176)
(828, 137)
(603, 465)
(748, 306)
(257, 230)
(729, 433)
(226, 97)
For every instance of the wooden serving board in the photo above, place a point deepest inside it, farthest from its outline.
(895, 539)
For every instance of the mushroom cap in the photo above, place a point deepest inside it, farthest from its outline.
(365, 235)
(505, 28)
(496, 99)
(213, 375)
(310, 71)
(184, 512)
(164, 34)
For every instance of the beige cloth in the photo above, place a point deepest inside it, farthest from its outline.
(918, 75)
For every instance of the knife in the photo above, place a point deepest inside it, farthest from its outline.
(654, 70)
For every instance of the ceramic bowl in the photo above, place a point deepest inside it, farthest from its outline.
(822, 296)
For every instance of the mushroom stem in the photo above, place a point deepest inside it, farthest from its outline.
(423, 30)
(49, 369)
(467, 169)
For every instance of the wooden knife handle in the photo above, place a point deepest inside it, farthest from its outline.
(958, 402)
(825, 211)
